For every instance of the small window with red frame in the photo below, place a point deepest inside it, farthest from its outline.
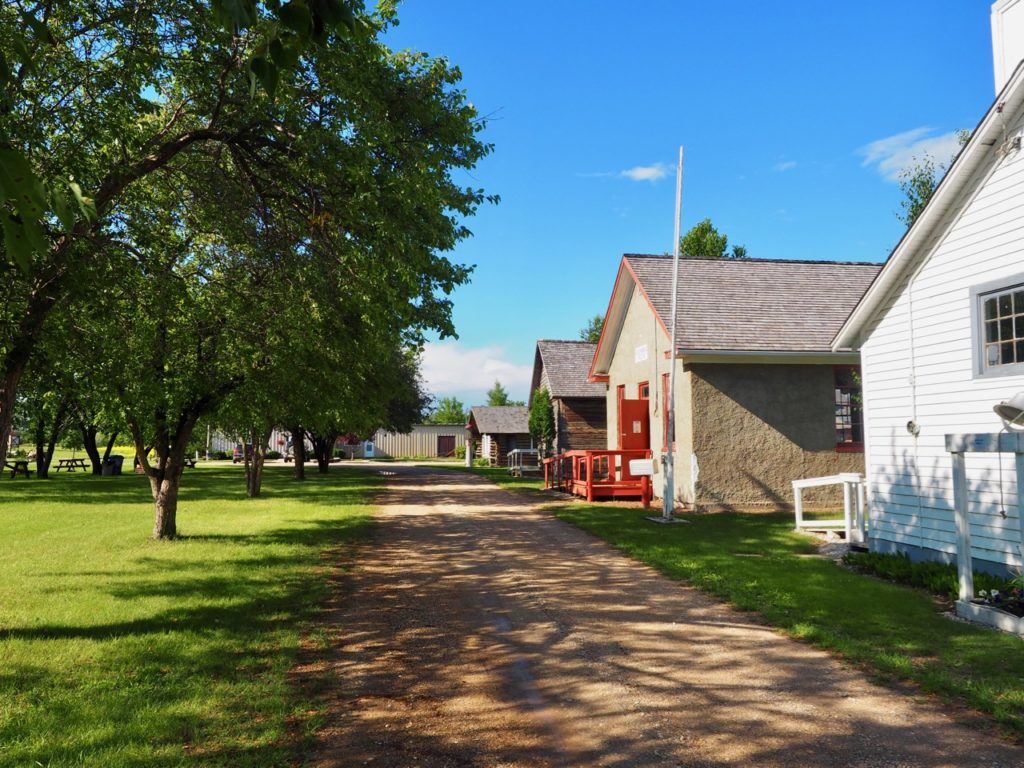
(849, 407)
(643, 391)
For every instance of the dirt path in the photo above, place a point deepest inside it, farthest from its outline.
(479, 632)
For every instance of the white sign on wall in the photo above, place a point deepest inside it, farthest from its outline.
(640, 354)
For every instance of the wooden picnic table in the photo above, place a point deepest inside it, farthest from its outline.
(70, 465)
(18, 467)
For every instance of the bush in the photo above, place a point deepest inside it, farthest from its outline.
(939, 578)
(481, 462)
(219, 455)
(460, 451)
(272, 455)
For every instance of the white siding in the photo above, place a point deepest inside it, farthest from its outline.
(918, 364)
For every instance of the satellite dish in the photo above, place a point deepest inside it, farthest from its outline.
(1012, 411)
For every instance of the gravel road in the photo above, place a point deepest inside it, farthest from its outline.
(477, 631)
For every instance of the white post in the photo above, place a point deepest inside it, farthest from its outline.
(848, 510)
(669, 495)
(963, 527)
(798, 505)
(1019, 462)
(862, 510)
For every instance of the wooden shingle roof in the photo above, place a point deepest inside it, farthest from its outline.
(566, 365)
(500, 419)
(754, 304)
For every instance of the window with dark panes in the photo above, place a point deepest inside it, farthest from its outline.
(1003, 315)
(849, 407)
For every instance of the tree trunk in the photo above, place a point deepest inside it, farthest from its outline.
(323, 447)
(42, 460)
(89, 441)
(254, 466)
(110, 447)
(299, 452)
(7, 398)
(165, 498)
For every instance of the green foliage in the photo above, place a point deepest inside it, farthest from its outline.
(167, 655)
(757, 563)
(542, 419)
(449, 410)
(592, 330)
(939, 578)
(704, 241)
(919, 180)
(498, 395)
(275, 36)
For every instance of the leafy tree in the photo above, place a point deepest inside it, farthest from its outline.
(592, 330)
(449, 410)
(704, 241)
(542, 420)
(305, 255)
(97, 96)
(919, 180)
(498, 395)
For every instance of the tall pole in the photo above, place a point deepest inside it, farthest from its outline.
(669, 495)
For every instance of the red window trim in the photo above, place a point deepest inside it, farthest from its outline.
(851, 447)
(640, 390)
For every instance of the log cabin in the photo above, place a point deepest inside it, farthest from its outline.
(580, 413)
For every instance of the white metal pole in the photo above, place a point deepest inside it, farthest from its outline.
(668, 497)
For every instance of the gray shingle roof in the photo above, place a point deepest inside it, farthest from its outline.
(501, 419)
(567, 365)
(754, 304)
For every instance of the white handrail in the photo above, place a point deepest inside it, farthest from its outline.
(854, 517)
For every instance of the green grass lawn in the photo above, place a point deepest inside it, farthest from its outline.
(116, 650)
(757, 563)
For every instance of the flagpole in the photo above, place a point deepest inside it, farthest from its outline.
(668, 496)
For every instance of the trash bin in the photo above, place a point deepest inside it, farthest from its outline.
(112, 466)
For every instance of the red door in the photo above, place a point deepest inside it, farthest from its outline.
(634, 425)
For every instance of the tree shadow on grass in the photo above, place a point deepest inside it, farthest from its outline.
(340, 486)
(218, 635)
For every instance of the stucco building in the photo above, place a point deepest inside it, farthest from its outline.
(563, 367)
(761, 397)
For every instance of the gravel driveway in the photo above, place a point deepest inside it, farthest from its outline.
(476, 631)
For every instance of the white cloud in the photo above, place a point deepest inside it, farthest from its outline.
(654, 172)
(784, 165)
(451, 367)
(893, 154)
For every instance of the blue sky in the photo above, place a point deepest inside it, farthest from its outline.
(796, 118)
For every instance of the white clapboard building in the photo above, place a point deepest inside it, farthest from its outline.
(941, 336)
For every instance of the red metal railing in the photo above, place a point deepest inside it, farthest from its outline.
(597, 474)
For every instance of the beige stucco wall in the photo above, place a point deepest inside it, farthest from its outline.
(753, 428)
(640, 327)
(759, 427)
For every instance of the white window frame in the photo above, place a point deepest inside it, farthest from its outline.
(978, 295)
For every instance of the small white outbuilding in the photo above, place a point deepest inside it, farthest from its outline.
(941, 337)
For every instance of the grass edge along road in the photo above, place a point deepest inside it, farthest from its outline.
(119, 650)
(758, 563)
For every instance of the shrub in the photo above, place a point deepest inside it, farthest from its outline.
(460, 451)
(940, 578)
(272, 455)
(219, 455)
(481, 463)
